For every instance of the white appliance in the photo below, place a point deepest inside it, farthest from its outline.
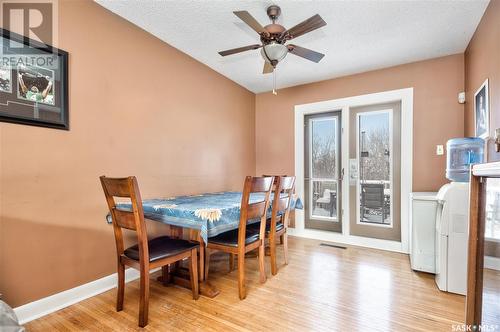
(423, 211)
(452, 237)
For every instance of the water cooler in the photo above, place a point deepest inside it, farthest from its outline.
(452, 218)
(450, 208)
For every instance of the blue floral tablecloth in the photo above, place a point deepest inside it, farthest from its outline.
(211, 214)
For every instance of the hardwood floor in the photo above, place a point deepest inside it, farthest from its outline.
(322, 289)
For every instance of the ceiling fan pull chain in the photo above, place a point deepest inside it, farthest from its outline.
(274, 82)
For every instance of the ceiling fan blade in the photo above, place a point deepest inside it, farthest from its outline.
(312, 23)
(250, 21)
(305, 53)
(268, 68)
(240, 49)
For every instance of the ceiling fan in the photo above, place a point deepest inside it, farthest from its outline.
(274, 37)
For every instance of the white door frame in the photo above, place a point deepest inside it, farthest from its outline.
(405, 96)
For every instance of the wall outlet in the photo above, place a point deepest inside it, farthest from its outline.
(439, 150)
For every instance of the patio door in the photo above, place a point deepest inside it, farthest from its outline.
(375, 171)
(323, 171)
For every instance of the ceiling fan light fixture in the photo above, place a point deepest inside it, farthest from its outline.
(274, 52)
(273, 37)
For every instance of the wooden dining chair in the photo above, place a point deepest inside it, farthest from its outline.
(145, 255)
(277, 224)
(239, 241)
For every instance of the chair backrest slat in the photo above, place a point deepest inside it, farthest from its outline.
(125, 219)
(287, 183)
(282, 203)
(275, 178)
(256, 210)
(259, 185)
(117, 187)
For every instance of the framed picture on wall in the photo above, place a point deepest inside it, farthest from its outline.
(33, 82)
(482, 111)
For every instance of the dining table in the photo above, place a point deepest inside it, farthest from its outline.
(204, 216)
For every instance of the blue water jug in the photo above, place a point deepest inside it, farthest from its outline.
(461, 153)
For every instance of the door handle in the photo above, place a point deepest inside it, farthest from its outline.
(341, 175)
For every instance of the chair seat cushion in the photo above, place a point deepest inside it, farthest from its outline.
(255, 227)
(231, 238)
(161, 247)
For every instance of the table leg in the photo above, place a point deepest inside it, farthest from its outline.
(165, 275)
(206, 288)
(180, 275)
(176, 232)
(201, 259)
(195, 236)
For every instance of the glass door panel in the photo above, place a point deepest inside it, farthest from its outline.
(324, 199)
(375, 167)
(322, 159)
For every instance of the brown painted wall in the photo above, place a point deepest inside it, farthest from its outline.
(437, 115)
(137, 107)
(482, 61)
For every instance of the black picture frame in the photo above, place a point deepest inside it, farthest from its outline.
(482, 111)
(24, 103)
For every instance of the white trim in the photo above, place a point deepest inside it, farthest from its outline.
(486, 169)
(345, 213)
(491, 239)
(406, 98)
(491, 262)
(50, 304)
(406, 164)
(359, 241)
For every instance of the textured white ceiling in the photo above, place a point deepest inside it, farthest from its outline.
(360, 35)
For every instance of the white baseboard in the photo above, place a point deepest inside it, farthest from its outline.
(50, 304)
(492, 263)
(347, 239)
